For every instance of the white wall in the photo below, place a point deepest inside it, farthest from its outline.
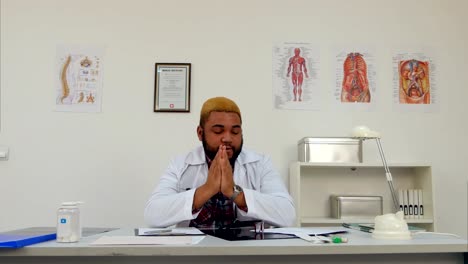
(112, 160)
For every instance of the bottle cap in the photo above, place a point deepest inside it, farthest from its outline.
(337, 239)
(72, 204)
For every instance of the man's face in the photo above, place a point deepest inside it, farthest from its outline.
(222, 128)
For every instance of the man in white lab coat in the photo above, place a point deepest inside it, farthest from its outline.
(220, 182)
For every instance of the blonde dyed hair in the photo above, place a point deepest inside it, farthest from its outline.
(218, 104)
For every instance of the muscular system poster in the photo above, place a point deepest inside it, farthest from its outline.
(296, 75)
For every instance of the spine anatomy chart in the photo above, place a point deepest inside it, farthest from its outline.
(79, 84)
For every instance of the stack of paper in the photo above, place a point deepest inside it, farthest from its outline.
(147, 240)
(179, 231)
(155, 236)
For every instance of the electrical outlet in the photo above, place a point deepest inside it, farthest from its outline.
(3, 153)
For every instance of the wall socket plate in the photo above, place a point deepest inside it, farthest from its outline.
(4, 153)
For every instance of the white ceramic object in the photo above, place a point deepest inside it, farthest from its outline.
(391, 226)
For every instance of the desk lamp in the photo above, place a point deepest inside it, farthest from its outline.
(364, 133)
(387, 226)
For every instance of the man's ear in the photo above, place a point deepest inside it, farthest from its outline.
(200, 133)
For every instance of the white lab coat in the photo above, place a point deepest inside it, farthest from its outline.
(265, 193)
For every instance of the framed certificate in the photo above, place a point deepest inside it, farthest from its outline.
(172, 87)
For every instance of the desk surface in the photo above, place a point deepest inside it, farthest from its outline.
(359, 243)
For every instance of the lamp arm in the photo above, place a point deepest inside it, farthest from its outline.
(388, 175)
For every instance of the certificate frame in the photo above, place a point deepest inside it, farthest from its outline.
(172, 87)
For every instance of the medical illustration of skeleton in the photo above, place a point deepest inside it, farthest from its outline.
(79, 75)
(79, 85)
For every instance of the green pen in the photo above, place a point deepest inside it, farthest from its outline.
(339, 240)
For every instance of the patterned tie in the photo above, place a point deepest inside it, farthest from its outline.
(217, 212)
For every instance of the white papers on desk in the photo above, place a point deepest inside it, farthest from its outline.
(147, 240)
(178, 231)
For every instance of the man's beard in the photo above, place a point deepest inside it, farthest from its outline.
(211, 153)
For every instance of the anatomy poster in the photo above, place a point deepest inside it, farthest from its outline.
(355, 79)
(296, 76)
(79, 79)
(414, 81)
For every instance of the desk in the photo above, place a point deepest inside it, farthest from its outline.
(361, 248)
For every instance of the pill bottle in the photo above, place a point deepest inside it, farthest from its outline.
(68, 222)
